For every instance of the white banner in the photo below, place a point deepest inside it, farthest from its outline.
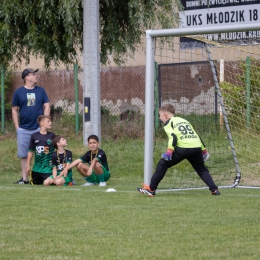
(220, 16)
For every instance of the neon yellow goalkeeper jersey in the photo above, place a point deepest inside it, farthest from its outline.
(181, 133)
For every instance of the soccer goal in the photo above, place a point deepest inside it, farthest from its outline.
(212, 77)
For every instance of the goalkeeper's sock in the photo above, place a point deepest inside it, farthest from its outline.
(101, 177)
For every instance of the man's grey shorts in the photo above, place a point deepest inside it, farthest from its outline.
(23, 140)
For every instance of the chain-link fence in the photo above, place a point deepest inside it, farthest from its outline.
(122, 94)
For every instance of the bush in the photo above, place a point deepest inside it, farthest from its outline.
(235, 95)
(114, 127)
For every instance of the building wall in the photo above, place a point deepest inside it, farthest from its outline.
(189, 86)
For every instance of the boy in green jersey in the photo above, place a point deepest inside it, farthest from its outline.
(183, 143)
(92, 165)
(41, 147)
(60, 160)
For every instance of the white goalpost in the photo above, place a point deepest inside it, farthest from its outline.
(222, 103)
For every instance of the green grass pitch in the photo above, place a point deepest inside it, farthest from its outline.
(77, 222)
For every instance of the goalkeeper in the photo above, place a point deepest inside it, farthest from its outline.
(183, 143)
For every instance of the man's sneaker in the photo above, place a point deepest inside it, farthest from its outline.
(21, 181)
(216, 192)
(88, 184)
(146, 190)
(206, 156)
(73, 182)
(102, 184)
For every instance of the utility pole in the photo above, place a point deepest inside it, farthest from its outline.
(91, 70)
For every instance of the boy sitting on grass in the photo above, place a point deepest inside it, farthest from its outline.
(97, 171)
(42, 149)
(60, 159)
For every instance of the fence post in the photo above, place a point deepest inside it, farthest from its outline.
(76, 98)
(3, 99)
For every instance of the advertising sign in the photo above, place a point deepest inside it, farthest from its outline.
(203, 13)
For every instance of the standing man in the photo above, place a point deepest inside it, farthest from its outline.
(29, 102)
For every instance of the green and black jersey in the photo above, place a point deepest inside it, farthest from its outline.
(41, 146)
(60, 161)
(181, 133)
(101, 156)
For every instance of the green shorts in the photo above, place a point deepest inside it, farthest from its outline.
(94, 177)
(67, 179)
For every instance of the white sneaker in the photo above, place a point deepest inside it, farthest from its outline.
(102, 184)
(88, 184)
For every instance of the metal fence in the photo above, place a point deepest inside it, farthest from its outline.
(122, 94)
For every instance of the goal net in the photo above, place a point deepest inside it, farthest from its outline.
(212, 77)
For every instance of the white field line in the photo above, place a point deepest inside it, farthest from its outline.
(90, 189)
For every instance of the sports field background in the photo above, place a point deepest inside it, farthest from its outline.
(38, 222)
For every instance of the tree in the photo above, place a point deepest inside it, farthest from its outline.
(53, 29)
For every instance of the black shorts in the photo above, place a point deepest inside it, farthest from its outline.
(38, 177)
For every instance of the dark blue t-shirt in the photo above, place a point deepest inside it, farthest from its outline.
(30, 103)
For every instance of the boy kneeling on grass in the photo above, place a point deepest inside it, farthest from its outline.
(183, 143)
(60, 160)
(97, 171)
